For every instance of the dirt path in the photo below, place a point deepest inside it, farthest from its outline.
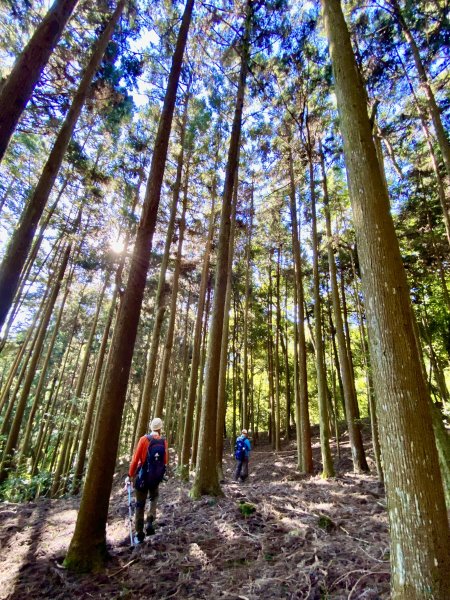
(307, 539)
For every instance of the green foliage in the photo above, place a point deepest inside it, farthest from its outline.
(246, 508)
(76, 156)
(21, 487)
(326, 523)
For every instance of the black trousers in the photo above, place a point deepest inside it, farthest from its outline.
(242, 469)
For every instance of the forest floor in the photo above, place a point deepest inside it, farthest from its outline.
(309, 538)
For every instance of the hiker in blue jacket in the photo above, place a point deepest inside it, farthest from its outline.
(241, 454)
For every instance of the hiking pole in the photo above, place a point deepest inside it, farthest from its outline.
(130, 512)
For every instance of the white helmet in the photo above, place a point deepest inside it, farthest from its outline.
(156, 424)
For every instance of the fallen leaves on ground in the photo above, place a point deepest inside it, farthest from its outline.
(308, 538)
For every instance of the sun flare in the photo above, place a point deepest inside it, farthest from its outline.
(117, 246)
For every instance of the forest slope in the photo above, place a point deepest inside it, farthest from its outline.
(309, 538)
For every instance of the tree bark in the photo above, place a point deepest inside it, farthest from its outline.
(418, 521)
(25, 351)
(284, 349)
(206, 478)
(50, 409)
(13, 437)
(197, 345)
(246, 313)
(160, 298)
(433, 108)
(187, 345)
(24, 275)
(298, 430)
(201, 378)
(19, 245)
(270, 360)
(87, 549)
(43, 375)
(277, 424)
(303, 421)
(327, 461)
(221, 394)
(369, 380)
(76, 400)
(440, 181)
(16, 91)
(164, 370)
(356, 445)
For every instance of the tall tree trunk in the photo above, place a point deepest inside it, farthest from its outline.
(25, 351)
(440, 181)
(443, 448)
(197, 345)
(187, 344)
(277, 355)
(347, 337)
(13, 437)
(87, 426)
(43, 432)
(298, 429)
(24, 276)
(160, 298)
(303, 421)
(43, 423)
(369, 380)
(433, 108)
(206, 477)
(270, 360)
(62, 447)
(43, 375)
(284, 350)
(201, 379)
(334, 393)
(284, 345)
(221, 395)
(418, 521)
(164, 371)
(246, 312)
(337, 367)
(18, 87)
(234, 378)
(76, 400)
(327, 461)
(87, 549)
(356, 445)
(19, 245)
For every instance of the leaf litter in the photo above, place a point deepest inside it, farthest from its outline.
(306, 539)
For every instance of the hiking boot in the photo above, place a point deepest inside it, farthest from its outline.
(139, 537)
(150, 530)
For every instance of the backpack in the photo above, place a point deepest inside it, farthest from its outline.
(240, 449)
(151, 473)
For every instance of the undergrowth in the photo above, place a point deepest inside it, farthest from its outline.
(21, 487)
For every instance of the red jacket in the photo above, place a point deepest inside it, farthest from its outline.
(140, 454)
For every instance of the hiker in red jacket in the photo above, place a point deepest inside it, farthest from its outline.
(149, 463)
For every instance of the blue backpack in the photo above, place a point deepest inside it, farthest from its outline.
(151, 473)
(240, 449)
